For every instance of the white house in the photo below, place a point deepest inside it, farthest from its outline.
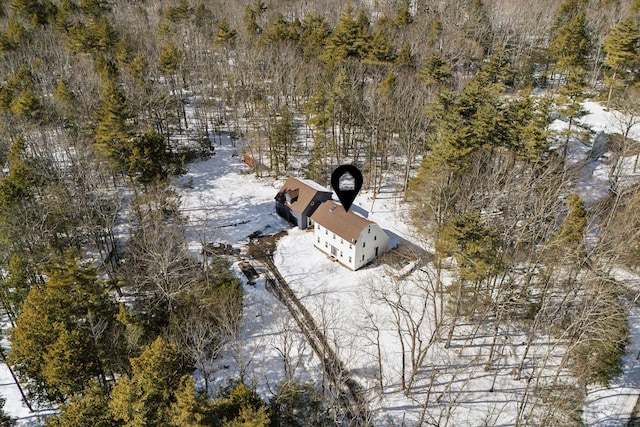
(349, 238)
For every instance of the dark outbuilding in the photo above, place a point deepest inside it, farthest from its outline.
(298, 199)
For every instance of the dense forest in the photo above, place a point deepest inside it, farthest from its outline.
(449, 101)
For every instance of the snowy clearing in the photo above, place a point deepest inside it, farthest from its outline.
(455, 386)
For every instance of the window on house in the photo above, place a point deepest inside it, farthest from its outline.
(369, 230)
(318, 239)
(326, 245)
(334, 236)
(350, 246)
(364, 244)
(363, 257)
(326, 232)
(340, 254)
(375, 237)
(349, 259)
(341, 241)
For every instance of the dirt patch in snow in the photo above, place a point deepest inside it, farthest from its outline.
(264, 246)
(403, 255)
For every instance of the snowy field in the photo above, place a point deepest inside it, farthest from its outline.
(351, 307)
(224, 202)
(344, 303)
(595, 173)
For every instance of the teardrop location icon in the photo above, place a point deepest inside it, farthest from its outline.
(346, 181)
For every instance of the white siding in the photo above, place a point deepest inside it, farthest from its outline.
(373, 242)
(344, 251)
(353, 255)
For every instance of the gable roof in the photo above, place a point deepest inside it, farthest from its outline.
(348, 225)
(301, 192)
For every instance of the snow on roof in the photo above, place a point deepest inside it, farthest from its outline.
(333, 217)
(314, 185)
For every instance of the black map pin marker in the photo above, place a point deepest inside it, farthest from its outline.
(346, 181)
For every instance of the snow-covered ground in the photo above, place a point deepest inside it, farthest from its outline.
(340, 300)
(598, 119)
(611, 406)
(595, 175)
(14, 404)
(223, 202)
(349, 306)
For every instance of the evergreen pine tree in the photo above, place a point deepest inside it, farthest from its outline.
(145, 398)
(26, 105)
(529, 116)
(64, 101)
(170, 58)
(621, 47)
(472, 243)
(113, 131)
(280, 29)
(403, 14)
(203, 16)
(299, 405)
(240, 407)
(148, 159)
(387, 85)
(315, 32)
(568, 10)
(38, 12)
(53, 347)
(281, 140)
(17, 186)
(188, 410)
(405, 57)
(570, 102)
(16, 285)
(70, 362)
(496, 72)
(574, 226)
(350, 39)
(139, 67)
(89, 409)
(17, 94)
(102, 36)
(62, 94)
(225, 34)
(252, 14)
(250, 417)
(94, 8)
(570, 46)
(13, 36)
(29, 341)
(474, 246)
(436, 71)
(381, 49)
(181, 12)
(64, 18)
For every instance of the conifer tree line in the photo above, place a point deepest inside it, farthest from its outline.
(442, 99)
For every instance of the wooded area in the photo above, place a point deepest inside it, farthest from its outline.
(448, 102)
